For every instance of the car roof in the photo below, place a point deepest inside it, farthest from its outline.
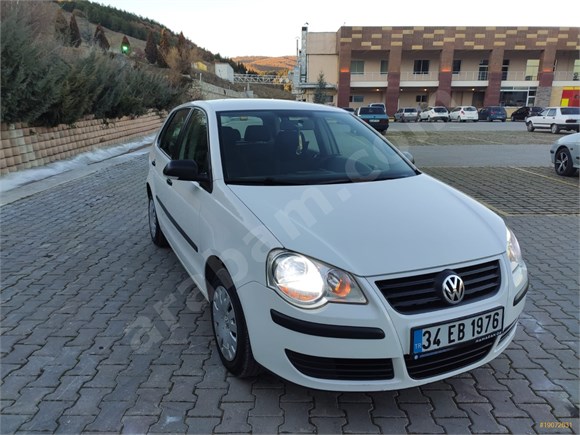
(227, 104)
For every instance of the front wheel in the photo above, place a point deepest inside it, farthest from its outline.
(530, 126)
(154, 229)
(555, 129)
(563, 163)
(229, 328)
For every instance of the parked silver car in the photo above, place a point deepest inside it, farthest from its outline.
(406, 114)
(565, 154)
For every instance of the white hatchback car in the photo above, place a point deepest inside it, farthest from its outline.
(436, 113)
(326, 255)
(464, 113)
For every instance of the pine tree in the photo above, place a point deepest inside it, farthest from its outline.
(182, 45)
(100, 39)
(151, 53)
(61, 29)
(164, 47)
(75, 34)
(320, 91)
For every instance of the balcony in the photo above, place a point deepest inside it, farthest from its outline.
(462, 79)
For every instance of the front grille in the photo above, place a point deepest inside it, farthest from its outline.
(447, 360)
(418, 293)
(342, 369)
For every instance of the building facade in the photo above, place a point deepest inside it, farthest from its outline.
(443, 66)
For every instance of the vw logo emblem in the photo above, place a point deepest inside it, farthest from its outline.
(453, 289)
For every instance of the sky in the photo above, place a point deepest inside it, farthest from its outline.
(235, 28)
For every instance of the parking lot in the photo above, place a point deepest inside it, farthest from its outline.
(103, 332)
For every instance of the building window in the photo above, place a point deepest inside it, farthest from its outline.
(483, 67)
(384, 66)
(421, 98)
(456, 66)
(504, 69)
(357, 99)
(357, 67)
(532, 67)
(421, 67)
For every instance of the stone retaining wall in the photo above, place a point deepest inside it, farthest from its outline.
(24, 147)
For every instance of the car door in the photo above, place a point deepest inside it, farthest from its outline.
(180, 201)
(547, 118)
(164, 150)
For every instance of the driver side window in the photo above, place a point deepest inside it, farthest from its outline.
(169, 139)
(194, 145)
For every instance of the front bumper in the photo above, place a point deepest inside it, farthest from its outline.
(344, 347)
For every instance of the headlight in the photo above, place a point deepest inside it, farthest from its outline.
(310, 283)
(513, 250)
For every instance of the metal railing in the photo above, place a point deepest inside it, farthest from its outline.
(261, 79)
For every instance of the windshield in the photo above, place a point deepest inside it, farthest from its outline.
(304, 147)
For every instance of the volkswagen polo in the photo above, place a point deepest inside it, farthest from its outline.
(326, 256)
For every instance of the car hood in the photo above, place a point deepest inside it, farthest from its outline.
(381, 227)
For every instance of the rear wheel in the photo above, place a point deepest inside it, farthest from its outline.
(154, 229)
(563, 163)
(229, 328)
(555, 129)
(530, 126)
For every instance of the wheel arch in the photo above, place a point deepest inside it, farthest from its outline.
(212, 265)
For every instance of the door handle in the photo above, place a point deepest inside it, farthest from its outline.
(153, 162)
(169, 181)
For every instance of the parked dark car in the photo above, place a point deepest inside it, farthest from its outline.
(492, 113)
(523, 112)
(374, 116)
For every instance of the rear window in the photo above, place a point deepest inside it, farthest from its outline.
(410, 110)
(470, 109)
(371, 111)
(570, 110)
(439, 109)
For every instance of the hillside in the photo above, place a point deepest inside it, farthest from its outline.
(265, 64)
(87, 12)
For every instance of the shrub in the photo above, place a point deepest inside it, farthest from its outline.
(31, 72)
(40, 85)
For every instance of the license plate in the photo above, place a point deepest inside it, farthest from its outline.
(433, 337)
(375, 120)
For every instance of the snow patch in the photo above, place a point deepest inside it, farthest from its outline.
(20, 178)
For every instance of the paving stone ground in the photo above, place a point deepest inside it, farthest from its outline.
(102, 332)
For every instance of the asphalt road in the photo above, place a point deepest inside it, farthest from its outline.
(102, 332)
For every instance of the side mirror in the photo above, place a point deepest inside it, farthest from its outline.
(409, 156)
(184, 170)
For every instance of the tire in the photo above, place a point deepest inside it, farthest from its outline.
(530, 126)
(563, 164)
(489, 119)
(513, 119)
(554, 129)
(229, 328)
(157, 235)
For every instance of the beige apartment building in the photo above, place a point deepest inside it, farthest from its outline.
(443, 66)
